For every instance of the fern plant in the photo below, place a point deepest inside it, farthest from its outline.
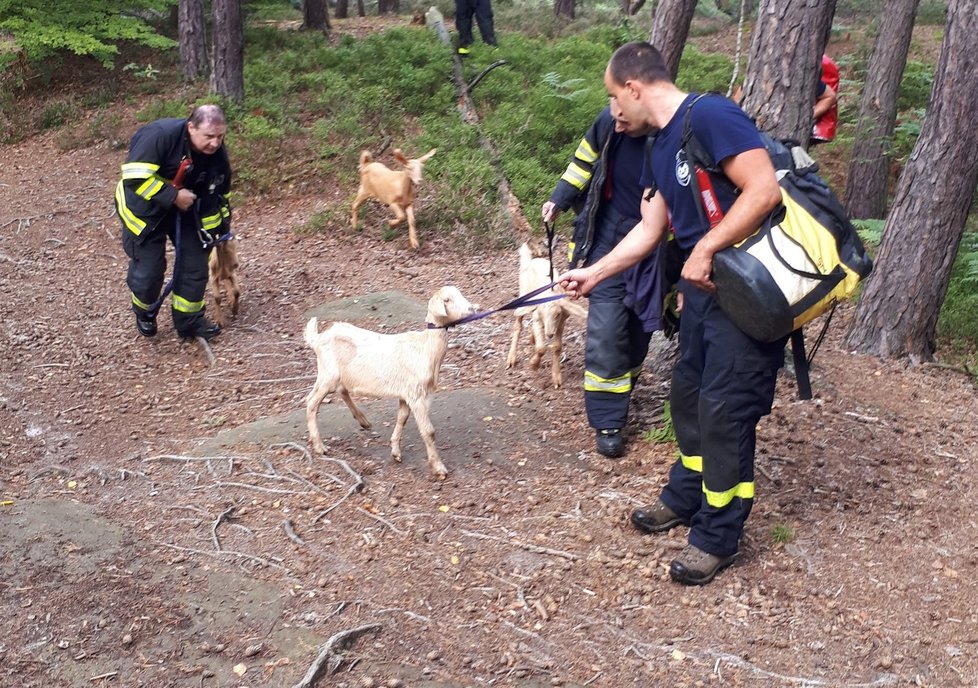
(666, 432)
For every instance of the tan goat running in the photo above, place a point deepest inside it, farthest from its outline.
(395, 188)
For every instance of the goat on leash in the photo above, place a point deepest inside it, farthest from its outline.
(547, 319)
(355, 361)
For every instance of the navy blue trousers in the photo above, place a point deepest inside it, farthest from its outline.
(722, 385)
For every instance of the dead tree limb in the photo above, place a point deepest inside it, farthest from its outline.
(333, 649)
(510, 204)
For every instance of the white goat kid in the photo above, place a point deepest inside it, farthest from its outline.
(546, 320)
(405, 366)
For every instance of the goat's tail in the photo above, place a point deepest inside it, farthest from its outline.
(312, 330)
(365, 158)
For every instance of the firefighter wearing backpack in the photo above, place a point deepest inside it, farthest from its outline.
(724, 380)
(149, 198)
(603, 182)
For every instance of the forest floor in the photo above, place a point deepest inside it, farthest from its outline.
(161, 523)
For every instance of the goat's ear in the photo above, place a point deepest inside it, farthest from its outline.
(436, 305)
(400, 157)
(427, 156)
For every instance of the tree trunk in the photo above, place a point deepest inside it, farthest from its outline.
(342, 10)
(193, 39)
(565, 8)
(869, 166)
(785, 65)
(898, 310)
(670, 29)
(227, 60)
(388, 6)
(315, 16)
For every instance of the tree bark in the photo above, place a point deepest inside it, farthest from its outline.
(227, 60)
(342, 10)
(315, 16)
(899, 307)
(869, 166)
(565, 8)
(388, 6)
(192, 33)
(785, 64)
(670, 29)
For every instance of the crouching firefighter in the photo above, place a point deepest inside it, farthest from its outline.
(623, 311)
(175, 183)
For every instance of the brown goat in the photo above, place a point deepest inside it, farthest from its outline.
(393, 188)
(223, 281)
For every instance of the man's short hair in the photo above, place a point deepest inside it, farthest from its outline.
(638, 61)
(207, 114)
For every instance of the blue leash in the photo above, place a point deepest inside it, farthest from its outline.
(154, 309)
(524, 300)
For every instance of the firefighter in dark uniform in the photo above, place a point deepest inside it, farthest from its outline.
(191, 208)
(602, 181)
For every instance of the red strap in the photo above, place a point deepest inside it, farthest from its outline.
(710, 203)
(181, 170)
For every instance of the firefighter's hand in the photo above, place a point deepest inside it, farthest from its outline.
(185, 199)
(698, 269)
(578, 283)
(550, 211)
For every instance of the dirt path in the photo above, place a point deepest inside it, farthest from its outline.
(129, 558)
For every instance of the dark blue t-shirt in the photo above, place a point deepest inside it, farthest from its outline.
(624, 167)
(724, 130)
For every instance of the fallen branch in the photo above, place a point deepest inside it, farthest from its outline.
(470, 115)
(381, 520)
(108, 674)
(287, 527)
(356, 487)
(225, 516)
(240, 555)
(332, 650)
(524, 545)
(207, 350)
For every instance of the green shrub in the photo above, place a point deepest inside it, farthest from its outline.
(915, 86)
(58, 112)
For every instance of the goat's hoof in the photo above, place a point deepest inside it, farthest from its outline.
(441, 474)
(396, 457)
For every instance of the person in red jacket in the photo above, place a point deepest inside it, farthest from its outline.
(826, 111)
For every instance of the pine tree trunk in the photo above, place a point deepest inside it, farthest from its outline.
(315, 16)
(785, 64)
(388, 6)
(899, 307)
(342, 10)
(869, 167)
(670, 29)
(565, 8)
(227, 60)
(193, 39)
